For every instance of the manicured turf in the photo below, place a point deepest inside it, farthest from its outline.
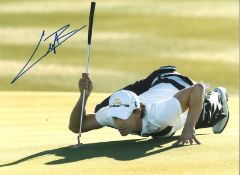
(35, 140)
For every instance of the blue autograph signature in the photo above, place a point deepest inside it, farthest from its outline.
(60, 38)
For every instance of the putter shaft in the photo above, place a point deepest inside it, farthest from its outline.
(84, 93)
(90, 27)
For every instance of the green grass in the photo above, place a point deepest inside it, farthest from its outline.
(65, 78)
(130, 40)
(35, 140)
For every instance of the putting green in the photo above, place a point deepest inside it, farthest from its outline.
(35, 140)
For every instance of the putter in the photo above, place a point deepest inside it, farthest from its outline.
(90, 26)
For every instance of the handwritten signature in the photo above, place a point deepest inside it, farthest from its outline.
(59, 38)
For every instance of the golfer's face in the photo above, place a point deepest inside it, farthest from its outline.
(125, 127)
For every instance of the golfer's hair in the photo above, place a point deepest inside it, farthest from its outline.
(142, 106)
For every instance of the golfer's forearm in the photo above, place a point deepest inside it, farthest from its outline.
(192, 118)
(195, 106)
(78, 108)
(74, 123)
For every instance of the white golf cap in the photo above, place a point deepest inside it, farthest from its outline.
(122, 103)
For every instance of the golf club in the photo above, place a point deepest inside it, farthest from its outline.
(90, 26)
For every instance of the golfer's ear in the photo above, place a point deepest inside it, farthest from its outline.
(138, 111)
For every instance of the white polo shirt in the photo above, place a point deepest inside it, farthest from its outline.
(161, 110)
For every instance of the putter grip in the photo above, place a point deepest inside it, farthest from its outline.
(90, 26)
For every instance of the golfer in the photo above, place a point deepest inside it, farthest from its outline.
(156, 106)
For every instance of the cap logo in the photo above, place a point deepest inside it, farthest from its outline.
(117, 101)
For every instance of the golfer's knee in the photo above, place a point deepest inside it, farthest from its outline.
(197, 94)
(190, 96)
(199, 89)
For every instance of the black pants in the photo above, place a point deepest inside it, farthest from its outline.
(212, 108)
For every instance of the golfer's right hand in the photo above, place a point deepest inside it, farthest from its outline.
(85, 83)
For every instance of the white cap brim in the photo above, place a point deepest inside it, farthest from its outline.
(120, 112)
(122, 103)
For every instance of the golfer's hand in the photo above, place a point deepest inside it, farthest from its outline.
(188, 136)
(85, 83)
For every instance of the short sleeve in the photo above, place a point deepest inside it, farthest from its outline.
(166, 113)
(103, 118)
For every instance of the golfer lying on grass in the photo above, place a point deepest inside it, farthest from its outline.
(156, 106)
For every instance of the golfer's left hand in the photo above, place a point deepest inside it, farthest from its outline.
(188, 136)
(85, 83)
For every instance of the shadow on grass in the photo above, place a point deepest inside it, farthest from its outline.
(119, 150)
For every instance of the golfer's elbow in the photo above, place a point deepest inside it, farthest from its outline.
(74, 121)
(197, 94)
(73, 128)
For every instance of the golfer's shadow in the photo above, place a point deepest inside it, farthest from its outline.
(120, 150)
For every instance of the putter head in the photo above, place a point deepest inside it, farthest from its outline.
(79, 145)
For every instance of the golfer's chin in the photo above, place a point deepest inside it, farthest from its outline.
(123, 133)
